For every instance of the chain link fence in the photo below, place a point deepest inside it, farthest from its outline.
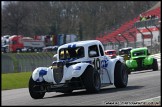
(153, 50)
(25, 62)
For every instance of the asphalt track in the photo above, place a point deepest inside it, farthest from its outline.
(141, 85)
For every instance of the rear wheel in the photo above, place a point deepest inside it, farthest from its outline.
(33, 89)
(18, 50)
(120, 75)
(29, 50)
(35, 50)
(91, 80)
(155, 65)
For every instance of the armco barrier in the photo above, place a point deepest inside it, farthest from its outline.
(24, 62)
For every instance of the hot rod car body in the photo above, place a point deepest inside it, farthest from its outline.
(140, 59)
(79, 65)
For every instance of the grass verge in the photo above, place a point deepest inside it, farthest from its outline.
(15, 80)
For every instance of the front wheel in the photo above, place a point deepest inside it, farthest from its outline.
(91, 80)
(33, 89)
(120, 76)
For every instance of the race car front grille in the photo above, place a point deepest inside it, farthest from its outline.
(58, 72)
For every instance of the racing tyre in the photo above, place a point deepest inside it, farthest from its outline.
(120, 76)
(35, 50)
(91, 80)
(155, 65)
(18, 50)
(33, 93)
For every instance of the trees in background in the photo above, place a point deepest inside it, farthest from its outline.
(87, 19)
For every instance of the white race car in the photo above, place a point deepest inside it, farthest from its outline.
(79, 65)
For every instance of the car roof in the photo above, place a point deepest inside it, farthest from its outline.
(81, 43)
(139, 49)
(109, 50)
(50, 47)
(125, 48)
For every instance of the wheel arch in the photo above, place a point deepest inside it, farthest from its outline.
(114, 67)
(91, 79)
(120, 75)
(76, 70)
(41, 74)
(87, 68)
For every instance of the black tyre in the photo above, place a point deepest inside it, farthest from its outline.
(29, 50)
(155, 65)
(18, 50)
(35, 50)
(32, 90)
(120, 75)
(91, 80)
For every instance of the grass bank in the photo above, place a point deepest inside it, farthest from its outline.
(15, 80)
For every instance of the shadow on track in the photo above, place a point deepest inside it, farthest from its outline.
(145, 71)
(102, 91)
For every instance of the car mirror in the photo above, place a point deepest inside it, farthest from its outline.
(93, 53)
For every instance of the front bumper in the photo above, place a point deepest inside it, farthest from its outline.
(73, 84)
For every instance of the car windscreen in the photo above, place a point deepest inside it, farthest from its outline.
(71, 53)
(138, 53)
(110, 52)
(124, 52)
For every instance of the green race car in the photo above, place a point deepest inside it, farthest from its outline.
(140, 59)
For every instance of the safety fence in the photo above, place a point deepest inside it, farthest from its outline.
(155, 48)
(25, 62)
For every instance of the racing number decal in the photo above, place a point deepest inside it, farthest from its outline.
(104, 63)
(97, 63)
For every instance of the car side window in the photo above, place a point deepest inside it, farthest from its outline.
(93, 48)
(101, 51)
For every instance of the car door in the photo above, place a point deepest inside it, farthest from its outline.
(93, 54)
(104, 74)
